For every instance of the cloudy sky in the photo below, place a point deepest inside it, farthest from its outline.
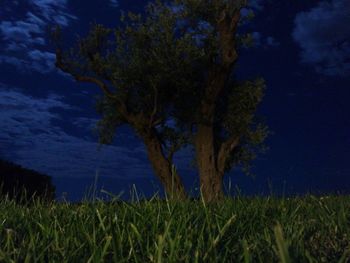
(302, 50)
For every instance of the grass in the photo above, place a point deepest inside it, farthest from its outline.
(300, 229)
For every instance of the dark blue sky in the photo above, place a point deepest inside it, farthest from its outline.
(302, 51)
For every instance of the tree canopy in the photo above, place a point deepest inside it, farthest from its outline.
(175, 63)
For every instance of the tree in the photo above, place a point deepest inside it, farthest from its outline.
(223, 127)
(174, 64)
(129, 67)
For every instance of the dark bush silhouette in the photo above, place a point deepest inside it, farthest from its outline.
(22, 184)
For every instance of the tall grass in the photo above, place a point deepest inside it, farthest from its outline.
(300, 229)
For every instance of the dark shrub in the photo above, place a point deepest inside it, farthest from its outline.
(22, 184)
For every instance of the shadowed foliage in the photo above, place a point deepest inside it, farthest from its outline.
(22, 184)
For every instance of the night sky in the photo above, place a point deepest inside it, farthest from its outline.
(302, 51)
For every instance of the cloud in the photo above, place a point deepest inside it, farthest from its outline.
(265, 42)
(42, 61)
(23, 34)
(257, 37)
(255, 4)
(19, 63)
(53, 10)
(32, 140)
(271, 41)
(86, 123)
(35, 20)
(19, 31)
(324, 37)
(114, 3)
(252, 7)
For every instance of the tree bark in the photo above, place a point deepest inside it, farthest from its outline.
(211, 163)
(163, 168)
(209, 176)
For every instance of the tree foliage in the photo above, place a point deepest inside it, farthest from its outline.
(175, 63)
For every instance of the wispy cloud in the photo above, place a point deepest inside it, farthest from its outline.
(53, 10)
(256, 4)
(262, 41)
(24, 35)
(324, 37)
(114, 3)
(42, 61)
(32, 140)
(271, 41)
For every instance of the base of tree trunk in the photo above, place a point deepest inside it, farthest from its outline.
(212, 191)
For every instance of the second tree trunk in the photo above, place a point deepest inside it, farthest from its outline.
(163, 168)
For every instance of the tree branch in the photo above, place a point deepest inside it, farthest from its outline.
(155, 106)
(65, 68)
(227, 26)
(103, 86)
(225, 149)
(158, 121)
(174, 148)
(96, 81)
(218, 74)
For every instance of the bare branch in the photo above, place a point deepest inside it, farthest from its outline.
(98, 82)
(65, 68)
(158, 121)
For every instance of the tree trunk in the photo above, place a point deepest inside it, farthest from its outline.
(210, 166)
(163, 168)
(210, 178)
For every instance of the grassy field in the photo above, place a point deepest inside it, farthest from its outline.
(300, 229)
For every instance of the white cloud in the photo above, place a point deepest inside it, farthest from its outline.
(34, 142)
(24, 35)
(324, 37)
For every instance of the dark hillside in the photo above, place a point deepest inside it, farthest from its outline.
(15, 180)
